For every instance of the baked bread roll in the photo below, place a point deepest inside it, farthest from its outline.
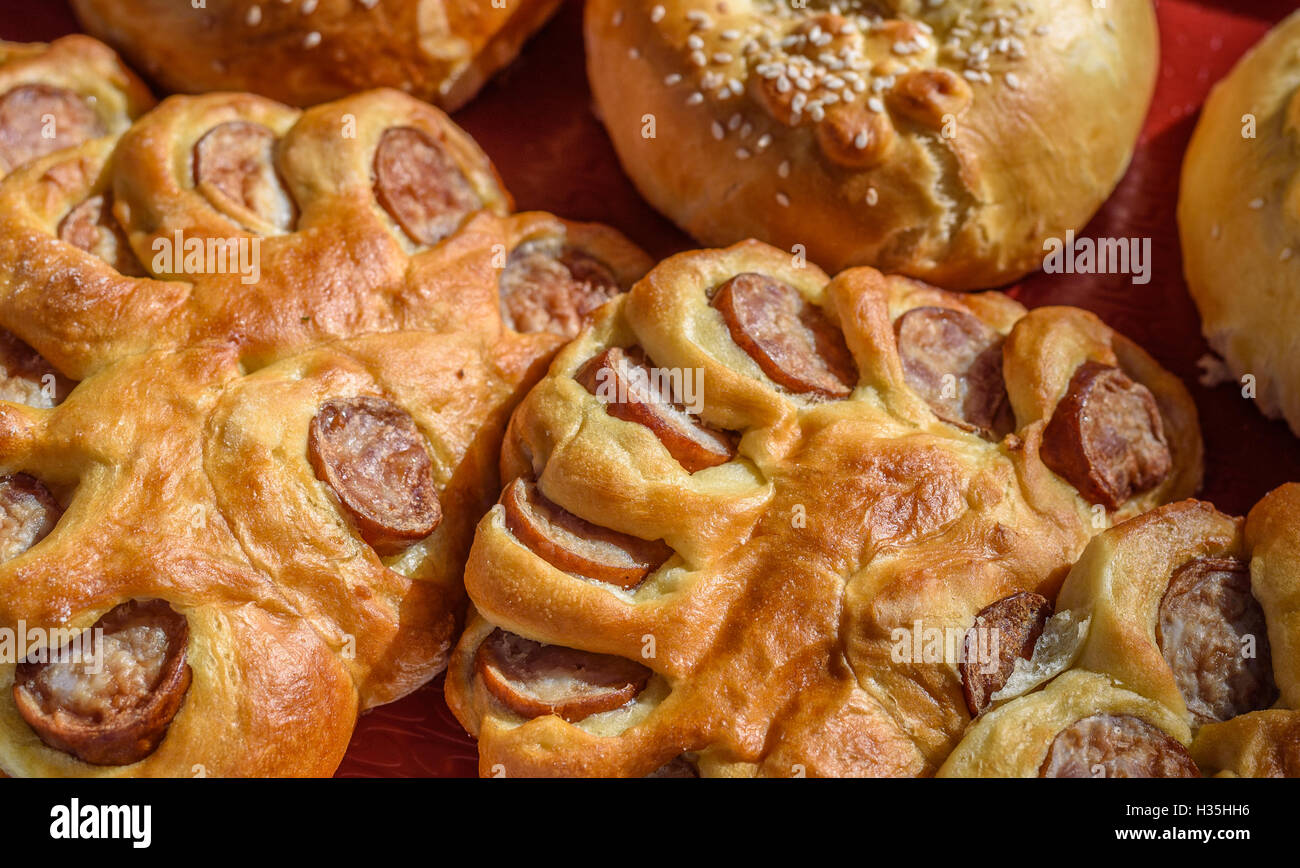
(250, 502)
(729, 496)
(946, 141)
(1177, 607)
(1239, 219)
(62, 94)
(373, 213)
(309, 52)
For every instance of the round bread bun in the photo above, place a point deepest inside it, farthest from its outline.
(946, 141)
(313, 51)
(1239, 219)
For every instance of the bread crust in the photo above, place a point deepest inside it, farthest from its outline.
(1114, 594)
(1239, 220)
(771, 629)
(181, 459)
(924, 170)
(442, 51)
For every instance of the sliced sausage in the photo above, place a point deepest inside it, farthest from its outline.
(90, 226)
(1009, 628)
(28, 512)
(791, 340)
(26, 377)
(234, 166)
(532, 679)
(630, 391)
(420, 187)
(574, 545)
(37, 119)
(677, 767)
(547, 286)
(1116, 746)
(112, 702)
(370, 452)
(1205, 616)
(1106, 437)
(954, 361)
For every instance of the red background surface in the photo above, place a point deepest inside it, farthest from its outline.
(536, 123)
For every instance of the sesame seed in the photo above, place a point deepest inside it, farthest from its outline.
(876, 104)
(694, 42)
(633, 53)
(872, 196)
(1013, 81)
(312, 40)
(763, 141)
(657, 14)
(695, 98)
(721, 57)
(718, 132)
(742, 153)
(673, 79)
(1256, 204)
(860, 140)
(254, 16)
(783, 200)
(784, 169)
(309, 6)
(733, 122)
(1286, 254)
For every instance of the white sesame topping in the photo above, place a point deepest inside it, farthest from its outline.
(1256, 204)
(860, 140)
(763, 141)
(633, 52)
(308, 6)
(742, 153)
(783, 200)
(784, 169)
(254, 16)
(876, 104)
(672, 79)
(657, 14)
(718, 132)
(311, 40)
(695, 98)
(872, 196)
(1286, 254)
(1013, 80)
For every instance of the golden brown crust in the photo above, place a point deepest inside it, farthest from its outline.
(1239, 220)
(442, 51)
(183, 458)
(944, 142)
(772, 630)
(80, 312)
(1121, 634)
(103, 96)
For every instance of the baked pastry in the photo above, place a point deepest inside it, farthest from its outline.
(308, 52)
(1239, 219)
(258, 493)
(947, 141)
(1267, 743)
(1173, 625)
(62, 94)
(730, 494)
(232, 217)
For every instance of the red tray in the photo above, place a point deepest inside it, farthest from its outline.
(535, 121)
